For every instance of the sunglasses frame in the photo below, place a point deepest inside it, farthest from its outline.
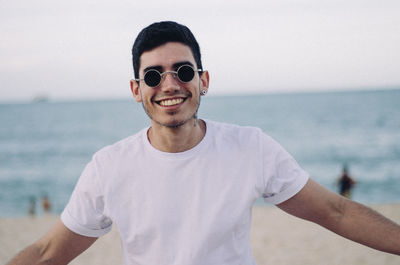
(174, 73)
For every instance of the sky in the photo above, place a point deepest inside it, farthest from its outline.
(77, 49)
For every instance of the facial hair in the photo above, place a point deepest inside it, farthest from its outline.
(174, 124)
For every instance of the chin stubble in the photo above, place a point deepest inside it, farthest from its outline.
(174, 125)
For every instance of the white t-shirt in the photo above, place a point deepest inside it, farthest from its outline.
(188, 208)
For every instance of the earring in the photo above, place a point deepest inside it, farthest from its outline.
(203, 92)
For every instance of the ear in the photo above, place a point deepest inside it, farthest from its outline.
(204, 81)
(135, 90)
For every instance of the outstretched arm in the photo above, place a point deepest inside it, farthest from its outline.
(344, 217)
(59, 246)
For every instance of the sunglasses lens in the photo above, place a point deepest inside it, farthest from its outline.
(185, 73)
(152, 78)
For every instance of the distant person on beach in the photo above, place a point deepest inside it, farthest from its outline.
(345, 183)
(46, 204)
(32, 206)
(181, 191)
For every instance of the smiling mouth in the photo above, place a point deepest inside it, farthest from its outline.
(170, 102)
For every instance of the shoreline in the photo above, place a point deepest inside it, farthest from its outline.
(276, 238)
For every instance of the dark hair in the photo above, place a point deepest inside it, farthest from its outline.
(160, 33)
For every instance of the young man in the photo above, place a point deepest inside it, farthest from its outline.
(181, 191)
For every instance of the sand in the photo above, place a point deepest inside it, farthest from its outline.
(277, 238)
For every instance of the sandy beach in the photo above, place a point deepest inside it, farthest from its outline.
(277, 238)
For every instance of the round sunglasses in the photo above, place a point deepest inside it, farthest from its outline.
(184, 73)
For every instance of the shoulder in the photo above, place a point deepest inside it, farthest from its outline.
(241, 137)
(133, 143)
(244, 134)
(231, 129)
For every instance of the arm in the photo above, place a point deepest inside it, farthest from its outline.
(59, 246)
(344, 217)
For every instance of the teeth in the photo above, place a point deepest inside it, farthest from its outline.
(171, 102)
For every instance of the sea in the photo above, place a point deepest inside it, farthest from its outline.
(44, 146)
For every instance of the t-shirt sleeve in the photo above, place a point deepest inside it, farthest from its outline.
(84, 213)
(283, 177)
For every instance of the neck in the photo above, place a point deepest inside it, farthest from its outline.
(179, 139)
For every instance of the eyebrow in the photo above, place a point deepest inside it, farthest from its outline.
(156, 67)
(179, 64)
(160, 68)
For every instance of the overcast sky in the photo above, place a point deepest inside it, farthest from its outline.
(71, 49)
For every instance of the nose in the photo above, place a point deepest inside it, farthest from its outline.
(169, 82)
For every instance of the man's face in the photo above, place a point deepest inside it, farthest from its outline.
(172, 103)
